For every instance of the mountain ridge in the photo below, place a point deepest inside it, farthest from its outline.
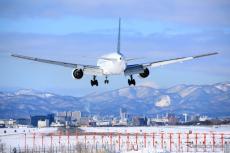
(213, 100)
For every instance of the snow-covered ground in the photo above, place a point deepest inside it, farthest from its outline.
(125, 139)
(23, 130)
(173, 129)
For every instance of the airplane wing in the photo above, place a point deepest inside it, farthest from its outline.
(88, 69)
(139, 68)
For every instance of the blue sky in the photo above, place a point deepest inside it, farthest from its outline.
(67, 30)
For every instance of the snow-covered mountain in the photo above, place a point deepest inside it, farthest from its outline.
(200, 99)
(30, 92)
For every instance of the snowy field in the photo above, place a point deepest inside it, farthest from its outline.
(123, 139)
(173, 129)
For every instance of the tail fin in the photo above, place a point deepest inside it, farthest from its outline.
(119, 37)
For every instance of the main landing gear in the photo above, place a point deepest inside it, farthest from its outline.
(131, 81)
(94, 81)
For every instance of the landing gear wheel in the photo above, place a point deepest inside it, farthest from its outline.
(94, 81)
(106, 81)
(131, 81)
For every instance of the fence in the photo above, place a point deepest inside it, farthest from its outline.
(117, 142)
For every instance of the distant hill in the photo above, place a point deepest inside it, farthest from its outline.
(213, 100)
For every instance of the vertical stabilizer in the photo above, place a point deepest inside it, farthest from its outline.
(119, 37)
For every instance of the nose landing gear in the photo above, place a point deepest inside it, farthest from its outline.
(106, 80)
(131, 81)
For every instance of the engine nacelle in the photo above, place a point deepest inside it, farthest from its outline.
(77, 73)
(145, 73)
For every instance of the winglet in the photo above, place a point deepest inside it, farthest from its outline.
(119, 37)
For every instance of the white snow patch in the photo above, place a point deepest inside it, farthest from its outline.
(176, 89)
(127, 92)
(47, 95)
(33, 93)
(187, 91)
(223, 87)
(24, 92)
(164, 101)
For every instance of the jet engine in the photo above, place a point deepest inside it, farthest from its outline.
(145, 73)
(77, 73)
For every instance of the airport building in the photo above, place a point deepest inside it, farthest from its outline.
(139, 121)
(42, 124)
(34, 119)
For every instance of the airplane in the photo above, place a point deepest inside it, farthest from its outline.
(114, 64)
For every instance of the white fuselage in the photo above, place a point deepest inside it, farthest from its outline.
(112, 64)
